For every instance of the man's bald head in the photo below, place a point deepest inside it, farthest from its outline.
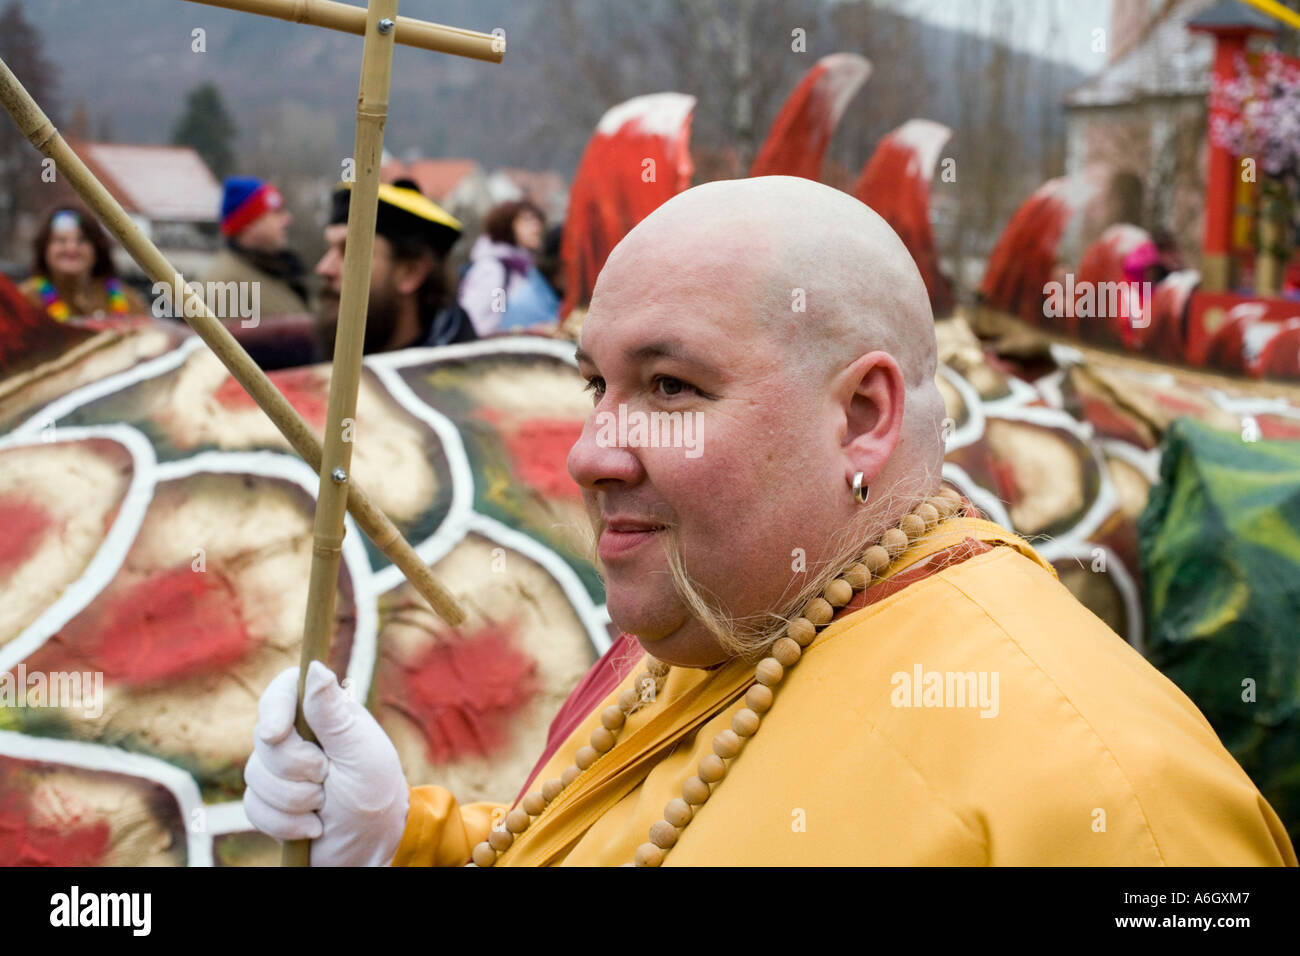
(818, 268)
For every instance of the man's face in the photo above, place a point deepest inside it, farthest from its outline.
(679, 334)
(381, 316)
(268, 232)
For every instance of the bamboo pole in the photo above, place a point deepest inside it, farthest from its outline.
(349, 345)
(349, 19)
(377, 526)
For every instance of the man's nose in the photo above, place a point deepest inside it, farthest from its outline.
(327, 268)
(596, 456)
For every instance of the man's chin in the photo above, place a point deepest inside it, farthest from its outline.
(650, 617)
(666, 630)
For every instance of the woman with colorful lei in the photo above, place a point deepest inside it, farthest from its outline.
(72, 271)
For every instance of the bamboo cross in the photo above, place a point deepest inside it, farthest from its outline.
(338, 492)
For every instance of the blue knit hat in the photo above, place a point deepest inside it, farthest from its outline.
(244, 199)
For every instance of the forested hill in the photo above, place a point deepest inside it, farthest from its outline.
(130, 62)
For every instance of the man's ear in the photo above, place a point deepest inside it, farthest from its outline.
(410, 274)
(873, 394)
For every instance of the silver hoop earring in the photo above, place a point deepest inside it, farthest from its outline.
(860, 491)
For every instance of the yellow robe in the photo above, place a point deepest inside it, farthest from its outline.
(1078, 753)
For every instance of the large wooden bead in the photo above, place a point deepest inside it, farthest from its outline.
(656, 667)
(894, 541)
(484, 855)
(501, 839)
(838, 593)
(552, 788)
(912, 526)
(712, 769)
(534, 803)
(945, 506)
(695, 791)
(517, 820)
(647, 854)
(858, 576)
(601, 740)
(819, 611)
(612, 718)
(787, 651)
(663, 834)
(876, 558)
(759, 699)
(571, 773)
(745, 723)
(585, 757)
(927, 513)
(769, 671)
(726, 744)
(950, 493)
(678, 812)
(802, 631)
(627, 700)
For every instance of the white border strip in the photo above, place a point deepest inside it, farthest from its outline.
(66, 404)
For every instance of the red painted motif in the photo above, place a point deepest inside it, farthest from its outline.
(305, 390)
(25, 523)
(171, 625)
(74, 841)
(463, 692)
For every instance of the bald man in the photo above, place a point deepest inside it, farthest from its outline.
(839, 662)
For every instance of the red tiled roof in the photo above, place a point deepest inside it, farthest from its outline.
(164, 183)
(435, 177)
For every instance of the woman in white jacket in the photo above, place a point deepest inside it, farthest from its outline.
(502, 291)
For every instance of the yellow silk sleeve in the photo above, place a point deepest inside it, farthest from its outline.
(440, 832)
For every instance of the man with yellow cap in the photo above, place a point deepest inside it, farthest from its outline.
(411, 302)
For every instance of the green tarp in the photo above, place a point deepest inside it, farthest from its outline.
(1219, 546)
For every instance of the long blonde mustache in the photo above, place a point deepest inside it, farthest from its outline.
(751, 636)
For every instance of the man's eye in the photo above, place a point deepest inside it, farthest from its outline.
(595, 385)
(675, 386)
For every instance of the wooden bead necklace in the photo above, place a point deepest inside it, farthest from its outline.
(784, 653)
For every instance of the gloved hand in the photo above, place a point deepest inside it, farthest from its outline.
(347, 795)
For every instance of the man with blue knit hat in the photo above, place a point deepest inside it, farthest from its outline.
(255, 224)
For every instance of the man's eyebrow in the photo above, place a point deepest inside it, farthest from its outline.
(651, 350)
(672, 350)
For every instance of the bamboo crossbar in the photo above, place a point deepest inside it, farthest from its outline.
(377, 526)
(349, 19)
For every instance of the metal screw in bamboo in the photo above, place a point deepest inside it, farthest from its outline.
(349, 19)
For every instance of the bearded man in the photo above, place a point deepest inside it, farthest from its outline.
(410, 303)
(926, 692)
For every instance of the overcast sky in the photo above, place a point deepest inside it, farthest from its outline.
(1025, 24)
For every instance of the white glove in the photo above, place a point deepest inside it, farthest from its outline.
(347, 795)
